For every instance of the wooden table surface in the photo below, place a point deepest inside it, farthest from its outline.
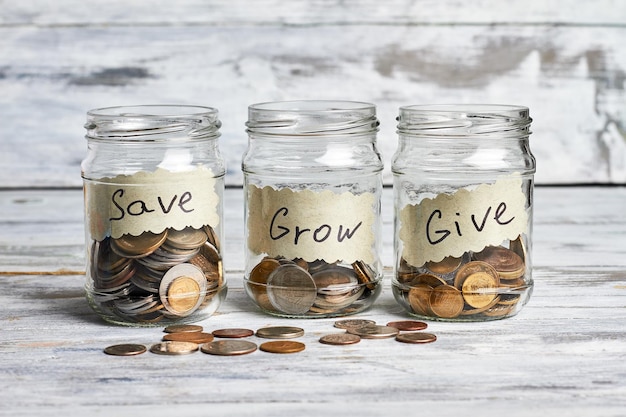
(564, 354)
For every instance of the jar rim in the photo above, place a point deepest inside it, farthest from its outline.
(307, 118)
(152, 111)
(455, 120)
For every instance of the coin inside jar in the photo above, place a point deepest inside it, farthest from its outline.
(508, 263)
(446, 301)
(130, 246)
(182, 289)
(291, 289)
(479, 289)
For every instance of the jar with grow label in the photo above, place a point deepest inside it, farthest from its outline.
(312, 183)
(463, 192)
(153, 183)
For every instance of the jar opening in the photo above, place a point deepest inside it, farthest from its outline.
(153, 122)
(455, 120)
(312, 118)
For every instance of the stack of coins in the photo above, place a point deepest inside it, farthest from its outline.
(296, 288)
(483, 285)
(154, 277)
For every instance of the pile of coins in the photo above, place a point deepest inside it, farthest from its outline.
(186, 339)
(296, 288)
(154, 277)
(483, 285)
(405, 331)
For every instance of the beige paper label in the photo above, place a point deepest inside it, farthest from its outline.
(467, 220)
(151, 201)
(311, 225)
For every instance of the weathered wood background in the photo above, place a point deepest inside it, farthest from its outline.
(566, 60)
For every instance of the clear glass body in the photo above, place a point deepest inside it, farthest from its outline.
(312, 184)
(463, 195)
(154, 180)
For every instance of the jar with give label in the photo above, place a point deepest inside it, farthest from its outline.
(153, 183)
(312, 183)
(463, 192)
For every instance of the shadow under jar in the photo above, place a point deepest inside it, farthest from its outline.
(463, 193)
(312, 184)
(153, 182)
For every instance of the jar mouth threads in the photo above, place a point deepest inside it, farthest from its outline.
(462, 120)
(312, 118)
(153, 123)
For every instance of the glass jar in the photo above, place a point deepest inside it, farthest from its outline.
(153, 182)
(463, 193)
(312, 184)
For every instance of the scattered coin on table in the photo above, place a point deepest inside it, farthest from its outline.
(416, 338)
(282, 346)
(280, 332)
(339, 339)
(178, 328)
(233, 333)
(174, 348)
(126, 349)
(193, 337)
(229, 347)
(408, 325)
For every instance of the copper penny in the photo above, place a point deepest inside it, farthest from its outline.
(340, 339)
(446, 301)
(175, 328)
(508, 263)
(229, 347)
(479, 289)
(445, 266)
(419, 299)
(282, 346)
(408, 325)
(416, 338)
(126, 349)
(232, 333)
(193, 337)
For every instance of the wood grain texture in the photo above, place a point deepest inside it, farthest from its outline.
(564, 60)
(562, 355)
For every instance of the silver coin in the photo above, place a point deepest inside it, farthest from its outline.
(372, 331)
(229, 347)
(280, 332)
(291, 289)
(352, 323)
(174, 348)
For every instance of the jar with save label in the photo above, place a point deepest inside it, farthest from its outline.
(153, 184)
(463, 192)
(312, 183)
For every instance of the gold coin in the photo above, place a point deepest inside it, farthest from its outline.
(174, 348)
(340, 339)
(445, 266)
(416, 338)
(257, 282)
(479, 289)
(193, 337)
(229, 347)
(419, 299)
(471, 311)
(519, 248)
(182, 289)
(446, 301)
(373, 331)
(131, 246)
(408, 325)
(473, 267)
(126, 349)
(176, 328)
(282, 346)
(280, 332)
(508, 264)
(352, 323)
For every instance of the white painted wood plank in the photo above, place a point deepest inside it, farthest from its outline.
(119, 12)
(572, 78)
(562, 355)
